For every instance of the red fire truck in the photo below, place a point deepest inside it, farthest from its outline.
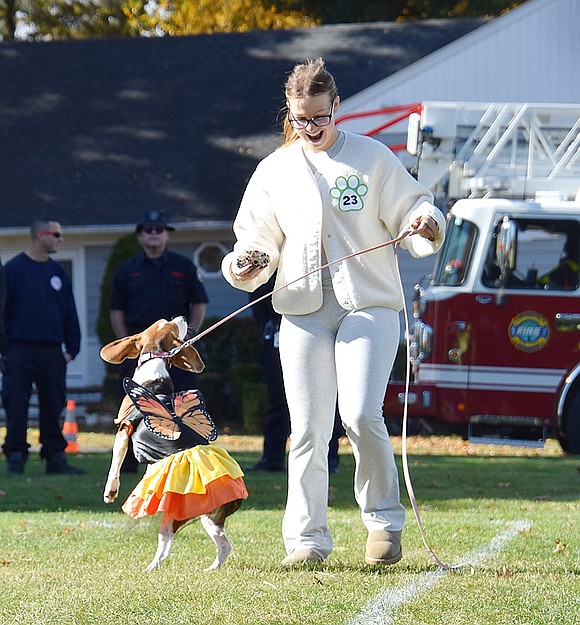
(495, 334)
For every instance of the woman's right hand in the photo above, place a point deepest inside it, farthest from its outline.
(248, 265)
(247, 272)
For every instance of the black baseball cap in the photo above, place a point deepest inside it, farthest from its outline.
(153, 218)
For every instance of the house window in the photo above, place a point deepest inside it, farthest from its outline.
(208, 258)
(67, 266)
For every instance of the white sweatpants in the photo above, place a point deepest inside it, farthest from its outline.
(349, 353)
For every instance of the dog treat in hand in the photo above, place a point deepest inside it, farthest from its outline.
(255, 258)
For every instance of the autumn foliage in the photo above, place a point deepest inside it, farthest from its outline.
(80, 19)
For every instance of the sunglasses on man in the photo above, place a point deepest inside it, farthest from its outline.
(52, 233)
(152, 229)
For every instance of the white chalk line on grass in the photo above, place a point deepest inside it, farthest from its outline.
(381, 609)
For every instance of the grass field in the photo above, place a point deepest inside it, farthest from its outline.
(512, 514)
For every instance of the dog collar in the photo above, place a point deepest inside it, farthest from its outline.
(143, 358)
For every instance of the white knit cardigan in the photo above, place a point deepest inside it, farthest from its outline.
(373, 199)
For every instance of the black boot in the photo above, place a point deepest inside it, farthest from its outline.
(15, 462)
(56, 463)
(266, 465)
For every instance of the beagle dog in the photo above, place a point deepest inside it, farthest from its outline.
(187, 478)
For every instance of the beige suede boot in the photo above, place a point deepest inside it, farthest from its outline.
(383, 547)
(301, 556)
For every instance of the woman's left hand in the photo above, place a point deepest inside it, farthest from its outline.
(425, 226)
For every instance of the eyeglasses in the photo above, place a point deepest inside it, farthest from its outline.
(53, 233)
(152, 229)
(300, 123)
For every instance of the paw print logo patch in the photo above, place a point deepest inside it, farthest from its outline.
(349, 193)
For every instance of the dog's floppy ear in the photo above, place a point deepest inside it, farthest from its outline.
(188, 359)
(119, 350)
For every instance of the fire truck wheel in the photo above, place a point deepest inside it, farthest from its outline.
(571, 444)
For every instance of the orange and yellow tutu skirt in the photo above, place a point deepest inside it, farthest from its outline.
(187, 484)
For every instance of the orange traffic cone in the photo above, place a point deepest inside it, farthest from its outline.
(70, 429)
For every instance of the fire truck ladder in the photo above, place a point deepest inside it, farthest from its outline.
(499, 149)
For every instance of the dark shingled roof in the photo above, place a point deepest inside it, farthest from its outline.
(98, 131)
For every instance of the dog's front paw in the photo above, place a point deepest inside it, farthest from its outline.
(111, 491)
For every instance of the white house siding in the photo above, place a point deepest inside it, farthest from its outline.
(96, 261)
(527, 55)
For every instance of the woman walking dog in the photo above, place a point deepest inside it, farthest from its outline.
(325, 194)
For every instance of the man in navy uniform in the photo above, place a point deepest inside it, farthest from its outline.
(42, 337)
(157, 284)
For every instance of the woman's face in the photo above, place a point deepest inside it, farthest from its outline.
(306, 113)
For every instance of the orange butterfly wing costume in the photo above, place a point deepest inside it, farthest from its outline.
(192, 481)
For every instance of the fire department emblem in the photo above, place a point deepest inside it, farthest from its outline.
(529, 331)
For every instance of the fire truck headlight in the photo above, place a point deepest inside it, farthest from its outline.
(421, 342)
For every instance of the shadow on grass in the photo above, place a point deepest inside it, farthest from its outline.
(444, 480)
